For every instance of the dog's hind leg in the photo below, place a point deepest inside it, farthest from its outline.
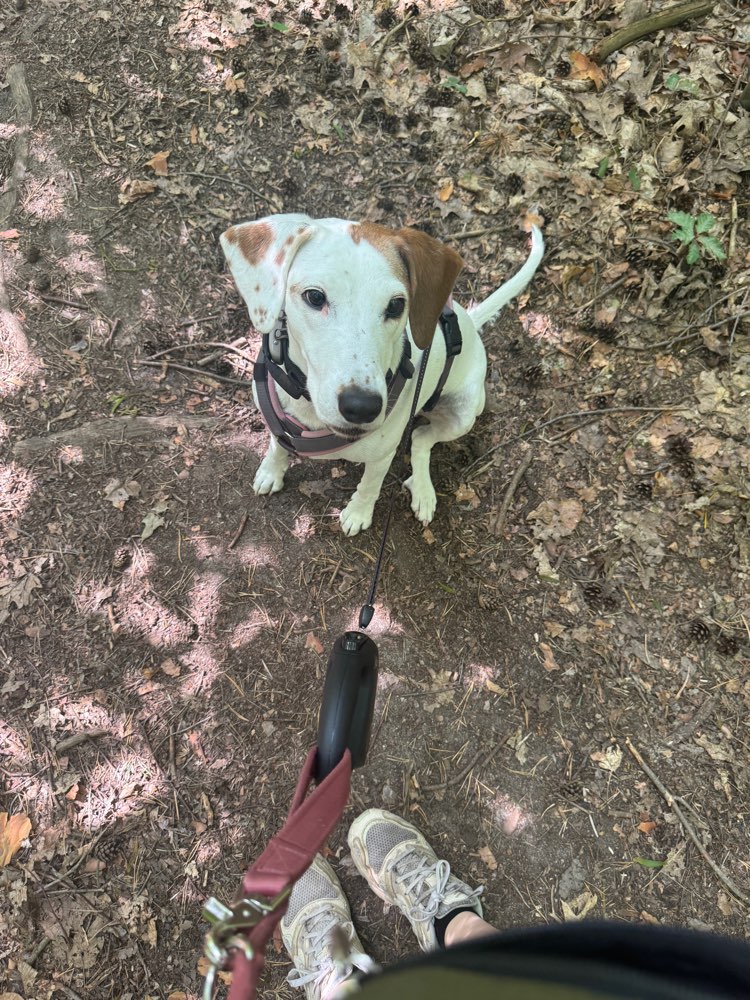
(453, 417)
(270, 475)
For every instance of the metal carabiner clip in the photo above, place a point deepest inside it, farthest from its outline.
(229, 925)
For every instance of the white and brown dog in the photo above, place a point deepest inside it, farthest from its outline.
(342, 307)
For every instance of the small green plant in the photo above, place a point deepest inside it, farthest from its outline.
(453, 83)
(691, 232)
(676, 82)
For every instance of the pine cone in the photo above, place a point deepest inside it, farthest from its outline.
(606, 332)
(727, 644)
(630, 103)
(636, 256)
(562, 67)
(330, 40)
(386, 18)
(678, 446)
(644, 489)
(419, 50)
(514, 183)
(533, 373)
(585, 319)
(698, 631)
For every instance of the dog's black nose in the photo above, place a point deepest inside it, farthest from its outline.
(358, 406)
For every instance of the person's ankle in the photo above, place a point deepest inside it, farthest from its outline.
(465, 926)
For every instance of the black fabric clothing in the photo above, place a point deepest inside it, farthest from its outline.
(575, 961)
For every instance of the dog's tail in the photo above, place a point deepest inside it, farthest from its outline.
(488, 310)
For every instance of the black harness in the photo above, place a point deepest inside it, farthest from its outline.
(274, 367)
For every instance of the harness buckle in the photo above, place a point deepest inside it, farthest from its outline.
(227, 926)
(451, 333)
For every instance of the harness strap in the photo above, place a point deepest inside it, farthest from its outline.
(453, 344)
(290, 433)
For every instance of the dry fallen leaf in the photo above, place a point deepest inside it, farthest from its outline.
(488, 857)
(465, 494)
(131, 190)
(313, 642)
(446, 189)
(582, 68)
(608, 759)
(579, 907)
(647, 827)
(158, 163)
(13, 832)
(9, 234)
(170, 668)
(550, 663)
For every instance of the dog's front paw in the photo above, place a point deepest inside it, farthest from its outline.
(356, 516)
(423, 499)
(269, 478)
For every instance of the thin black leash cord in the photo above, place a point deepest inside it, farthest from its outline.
(368, 610)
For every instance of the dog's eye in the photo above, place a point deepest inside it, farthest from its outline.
(314, 298)
(395, 308)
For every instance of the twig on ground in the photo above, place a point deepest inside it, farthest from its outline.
(109, 429)
(498, 523)
(57, 300)
(78, 738)
(481, 758)
(707, 167)
(204, 343)
(19, 90)
(649, 26)
(671, 801)
(192, 371)
(238, 533)
(739, 316)
(602, 294)
(388, 36)
(112, 332)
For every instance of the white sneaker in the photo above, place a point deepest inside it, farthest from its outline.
(402, 868)
(318, 933)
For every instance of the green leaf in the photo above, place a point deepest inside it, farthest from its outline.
(712, 246)
(673, 81)
(279, 26)
(704, 223)
(689, 85)
(693, 253)
(115, 402)
(339, 131)
(446, 588)
(603, 167)
(453, 83)
(684, 221)
(648, 863)
(635, 181)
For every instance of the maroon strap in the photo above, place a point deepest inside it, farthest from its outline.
(309, 823)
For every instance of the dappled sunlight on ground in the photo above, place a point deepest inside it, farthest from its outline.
(246, 631)
(18, 364)
(14, 750)
(203, 661)
(510, 818)
(115, 788)
(16, 487)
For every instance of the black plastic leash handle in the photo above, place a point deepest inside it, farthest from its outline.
(348, 702)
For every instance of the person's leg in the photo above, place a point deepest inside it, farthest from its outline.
(402, 868)
(319, 935)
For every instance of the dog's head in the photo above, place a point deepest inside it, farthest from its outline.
(348, 290)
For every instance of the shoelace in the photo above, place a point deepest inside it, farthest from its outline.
(429, 897)
(319, 927)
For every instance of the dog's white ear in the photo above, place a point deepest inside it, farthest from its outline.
(433, 269)
(259, 255)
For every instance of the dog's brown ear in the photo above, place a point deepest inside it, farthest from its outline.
(433, 269)
(260, 255)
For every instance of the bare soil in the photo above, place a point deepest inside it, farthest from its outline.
(164, 633)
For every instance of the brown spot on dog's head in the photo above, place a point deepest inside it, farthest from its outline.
(385, 241)
(426, 266)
